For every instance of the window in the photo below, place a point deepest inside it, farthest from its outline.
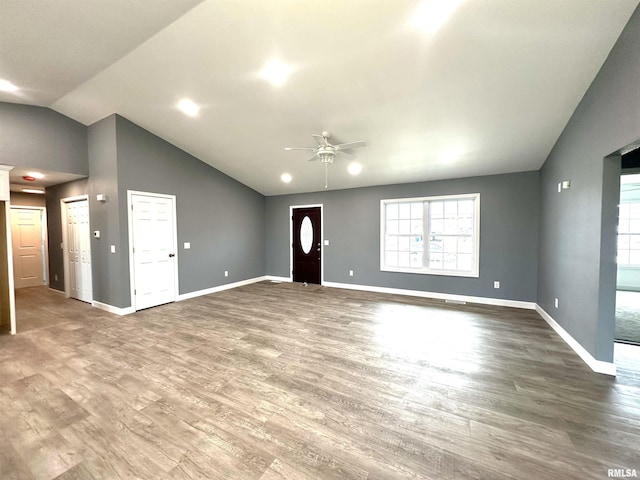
(629, 234)
(431, 235)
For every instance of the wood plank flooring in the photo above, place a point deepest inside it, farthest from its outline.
(278, 381)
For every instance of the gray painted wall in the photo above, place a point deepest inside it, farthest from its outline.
(578, 227)
(110, 271)
(53, 195)
(38, 137)
(28, 199)
(509, 218)
(221, 218)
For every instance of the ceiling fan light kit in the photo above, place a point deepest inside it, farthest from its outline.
(327, 152)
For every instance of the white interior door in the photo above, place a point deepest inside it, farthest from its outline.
(78, 246)
(153, 238)
(28, 247)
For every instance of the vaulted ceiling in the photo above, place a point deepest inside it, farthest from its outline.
(479, 87)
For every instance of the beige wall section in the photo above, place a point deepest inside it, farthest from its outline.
(28, 199)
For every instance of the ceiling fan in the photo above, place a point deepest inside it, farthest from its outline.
(327, 152)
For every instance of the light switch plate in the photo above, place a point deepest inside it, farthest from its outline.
(113, 249)
(187, 245)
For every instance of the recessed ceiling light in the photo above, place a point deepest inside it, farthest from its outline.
(433, 14)
(32, 190)
(188, 107)
(276, 72)
(450, 155)
(35, 174)
(355, 168)
(7, 86)
(285, 177)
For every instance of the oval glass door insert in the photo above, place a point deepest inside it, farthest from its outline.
(306, 235)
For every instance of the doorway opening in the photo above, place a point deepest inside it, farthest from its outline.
(628, 260)
(306, 244)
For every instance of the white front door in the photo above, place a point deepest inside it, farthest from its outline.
(28, 247)
(153, 239)
(78, 246)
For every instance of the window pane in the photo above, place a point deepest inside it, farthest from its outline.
(391, 242)
(417, 210)
(403, 259)
(435, 261)
(435, 245)
(437, 209)
(634, 241)
(465, 245)
(416, 259)
(623, 257)
(417, 243)
(465, 208)
(405, 210)
(634, 257)
(416, 227)
(623, 225)
(391, 259)
(450, 209)
(437, 227)
(404, 227)
(450, 244)
(403, 244)
(450, 261)
(624, 210)
(392, 211)
(634, 225)
(450, 226)
(634, 210)
(465, 262)
(392, 227)
(465, 226)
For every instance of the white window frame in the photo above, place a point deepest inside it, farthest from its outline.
(626, 265)
(474, 273)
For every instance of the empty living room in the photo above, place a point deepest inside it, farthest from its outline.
(319, 240)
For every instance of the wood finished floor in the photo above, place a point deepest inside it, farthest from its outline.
(277, 381)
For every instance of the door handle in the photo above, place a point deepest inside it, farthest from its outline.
(171, 255)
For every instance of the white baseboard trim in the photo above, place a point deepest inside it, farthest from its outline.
(435, 295)
(220, 288)
(111, 309)
(273, 278)
(598, 366)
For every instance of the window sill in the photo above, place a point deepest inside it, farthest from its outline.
(445, 273)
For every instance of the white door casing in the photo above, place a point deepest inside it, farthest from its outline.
(76, 239)
(152, 255)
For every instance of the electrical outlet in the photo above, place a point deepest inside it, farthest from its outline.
(113, 249)
(226, 273)
(496, 284)
(351, 273)
(556, 302)
(187, 245)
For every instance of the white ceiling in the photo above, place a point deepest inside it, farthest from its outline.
(489, 92)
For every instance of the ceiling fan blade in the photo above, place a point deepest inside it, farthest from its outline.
(320, 139)
(346, 146)
(309, 149)
(315, 157)
(346, 154)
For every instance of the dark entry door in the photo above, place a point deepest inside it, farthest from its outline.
(307, 249)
